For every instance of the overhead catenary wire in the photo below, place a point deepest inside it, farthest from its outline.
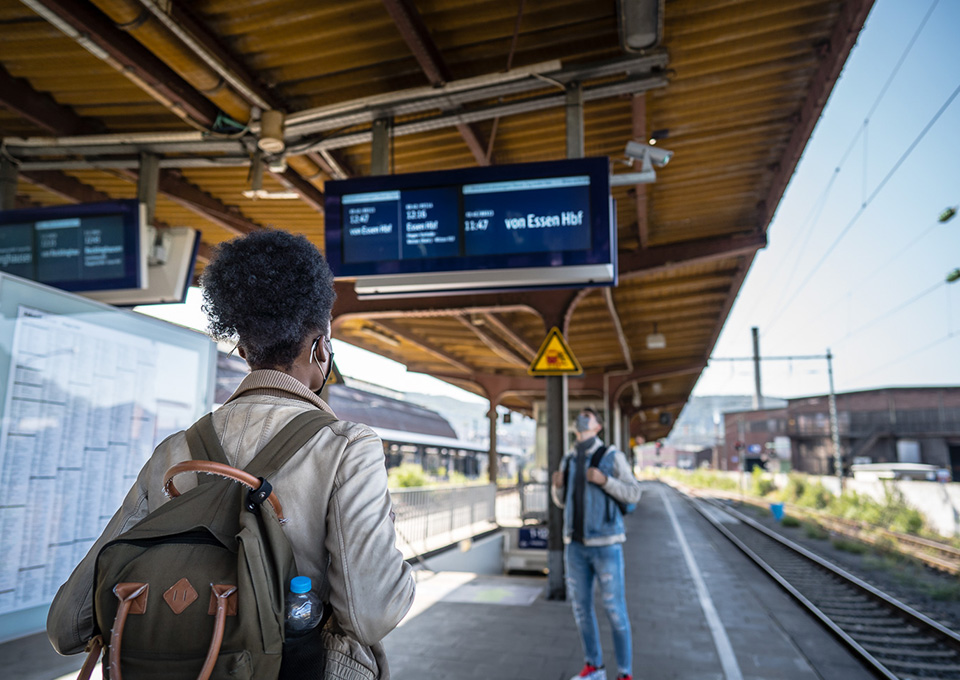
(861, 131)
(862, 209)
(893, 311)
(909, 354)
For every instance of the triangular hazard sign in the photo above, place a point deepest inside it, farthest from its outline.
(555, 357)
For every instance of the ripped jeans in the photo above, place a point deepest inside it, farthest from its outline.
(605, 564)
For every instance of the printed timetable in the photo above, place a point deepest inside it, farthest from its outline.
(85, 406)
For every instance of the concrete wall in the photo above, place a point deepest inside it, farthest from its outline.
(939, 503)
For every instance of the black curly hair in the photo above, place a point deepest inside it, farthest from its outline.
(271, 289)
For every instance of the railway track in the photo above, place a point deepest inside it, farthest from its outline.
(894, 640)
(935, 554)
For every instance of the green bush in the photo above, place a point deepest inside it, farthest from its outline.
(796, 485)
(760, 484)
(701, 478)
(854, 547)
(406, 476)
(893, 514)
(814, 530)
(801, 491)
(815, 496)
(790, 521)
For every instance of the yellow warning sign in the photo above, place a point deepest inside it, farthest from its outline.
(554, 357)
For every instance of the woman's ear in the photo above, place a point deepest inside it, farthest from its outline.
(242, 352)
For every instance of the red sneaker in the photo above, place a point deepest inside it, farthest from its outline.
(590, 673)
(624, 677)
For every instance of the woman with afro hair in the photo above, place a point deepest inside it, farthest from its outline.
(273, 293)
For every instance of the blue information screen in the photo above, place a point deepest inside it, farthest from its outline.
(75, 247)
(522, 216)
(444, 225)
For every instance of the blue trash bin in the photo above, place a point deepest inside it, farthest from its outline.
(777, 510)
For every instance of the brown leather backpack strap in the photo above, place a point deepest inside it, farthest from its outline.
(220, 470)
(133, 600)
(94, 647)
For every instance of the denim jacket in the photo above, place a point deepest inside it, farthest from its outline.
(602, 519)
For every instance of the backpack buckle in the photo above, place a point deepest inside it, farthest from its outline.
(257, 497)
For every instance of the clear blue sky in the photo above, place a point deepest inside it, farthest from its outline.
(876, 296)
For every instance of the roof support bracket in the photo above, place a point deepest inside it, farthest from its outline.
(8, 184)
(147, 183)
(380, 147)
(574, 109)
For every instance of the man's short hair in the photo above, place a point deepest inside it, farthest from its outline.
(589, 409)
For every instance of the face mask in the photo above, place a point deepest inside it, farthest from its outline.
(583, 422)
(326, 377)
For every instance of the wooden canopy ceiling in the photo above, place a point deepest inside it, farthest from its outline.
(87, 86)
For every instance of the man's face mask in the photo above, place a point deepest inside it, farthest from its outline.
(583, 422)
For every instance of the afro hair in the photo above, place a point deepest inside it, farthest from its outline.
(271, 289)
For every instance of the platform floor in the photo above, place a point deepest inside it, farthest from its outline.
(740, 626)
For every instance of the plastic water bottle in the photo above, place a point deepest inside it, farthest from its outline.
(303, 608)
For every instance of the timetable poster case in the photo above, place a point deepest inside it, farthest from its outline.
(87, 391)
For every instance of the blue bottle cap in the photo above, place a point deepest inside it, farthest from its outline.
(300, 584)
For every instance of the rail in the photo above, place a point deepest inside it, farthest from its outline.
(892, 638)
(429, 519)
(935, 554)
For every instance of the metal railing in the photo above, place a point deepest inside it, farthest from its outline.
(429, 519)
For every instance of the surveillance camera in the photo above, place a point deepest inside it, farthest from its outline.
(646, 153)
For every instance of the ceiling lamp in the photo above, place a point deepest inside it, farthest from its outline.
(656, 340)
(271, 132)
(640, 23)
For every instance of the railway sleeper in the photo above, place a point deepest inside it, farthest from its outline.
(855, 629)
(890, 640)
(919, 666)
(883, 652)
(868, 620)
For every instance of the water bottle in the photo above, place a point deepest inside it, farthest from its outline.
(303, 608)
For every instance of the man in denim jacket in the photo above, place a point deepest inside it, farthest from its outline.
(593, 534)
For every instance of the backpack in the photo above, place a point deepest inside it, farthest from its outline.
(625, 508)
(196, 589)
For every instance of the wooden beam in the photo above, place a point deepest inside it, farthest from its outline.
(508, 334)
(415, 33)
(74, 190)
(493, 344)
(638, 105)
(853, 14)
(174, 186)
(427, 346)
(135, 61)
(654, 260)
(41, 109)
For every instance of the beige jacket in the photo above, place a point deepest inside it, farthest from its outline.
(334, 495)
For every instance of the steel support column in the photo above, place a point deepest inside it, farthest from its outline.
(556, 447)
(494, 462)
(8, 184)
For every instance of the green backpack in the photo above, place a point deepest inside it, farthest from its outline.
(196, 589)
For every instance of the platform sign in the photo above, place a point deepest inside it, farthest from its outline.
(533, 538)
(554, 357)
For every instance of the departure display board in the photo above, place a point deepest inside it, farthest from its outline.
(92, 246)
(449, 225)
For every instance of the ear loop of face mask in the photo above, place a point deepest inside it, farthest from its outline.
(313, 353)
